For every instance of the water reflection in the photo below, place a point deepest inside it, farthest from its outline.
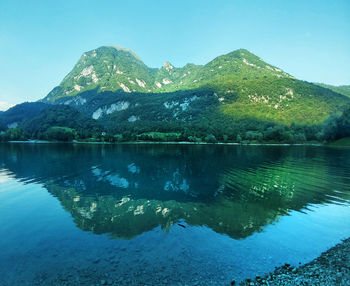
(125, 190)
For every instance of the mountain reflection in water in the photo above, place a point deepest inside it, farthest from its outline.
(125, 190)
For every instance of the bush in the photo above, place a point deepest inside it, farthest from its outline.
(159, 136)
(118, 138)
(194, 139)
(210, 138)
(254, 135)
(60, 133)
(299, 138)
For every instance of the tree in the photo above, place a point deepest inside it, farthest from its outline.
(194, 139)
(343, 124)
(299, 138)
(16, 134)
(210, 138)
(330, 128)
(60, 133)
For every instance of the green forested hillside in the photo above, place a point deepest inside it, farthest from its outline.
(60, 116)
(43, 121)
(21, 112)
(243, 85)
(112, 95)
(342, 89)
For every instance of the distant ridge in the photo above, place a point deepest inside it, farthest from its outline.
(342, 89)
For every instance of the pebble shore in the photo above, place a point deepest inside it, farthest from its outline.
(330, 268)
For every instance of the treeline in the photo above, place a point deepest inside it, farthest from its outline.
(64, 123)
(51, 122)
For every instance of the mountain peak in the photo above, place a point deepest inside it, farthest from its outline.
(112, 68)
(100, 51)
(242, 53)
(119, 48)
(168, 66)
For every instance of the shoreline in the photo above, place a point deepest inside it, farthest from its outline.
(165, 143)
(332, 267)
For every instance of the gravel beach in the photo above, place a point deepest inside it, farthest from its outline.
(330, 268)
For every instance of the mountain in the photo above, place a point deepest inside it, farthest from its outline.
(342, 89)
(114, 68)
(236, 97)
(16, 115)
(238, 85)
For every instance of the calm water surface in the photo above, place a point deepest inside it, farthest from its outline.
(166, 214)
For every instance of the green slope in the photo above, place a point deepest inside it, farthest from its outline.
(342, 89)
(241, 84)
(112, 69)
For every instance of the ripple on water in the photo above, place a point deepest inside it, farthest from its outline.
(180, 213)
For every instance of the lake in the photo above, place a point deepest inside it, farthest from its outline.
(157, 214)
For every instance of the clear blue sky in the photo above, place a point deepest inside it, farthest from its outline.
(41, 40)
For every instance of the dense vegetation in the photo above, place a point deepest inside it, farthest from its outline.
(111, 95)
(20, 113)
(51, 123)
(64, 123)
(244, 86)
(342, 89)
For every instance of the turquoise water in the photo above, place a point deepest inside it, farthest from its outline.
(166, 214)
